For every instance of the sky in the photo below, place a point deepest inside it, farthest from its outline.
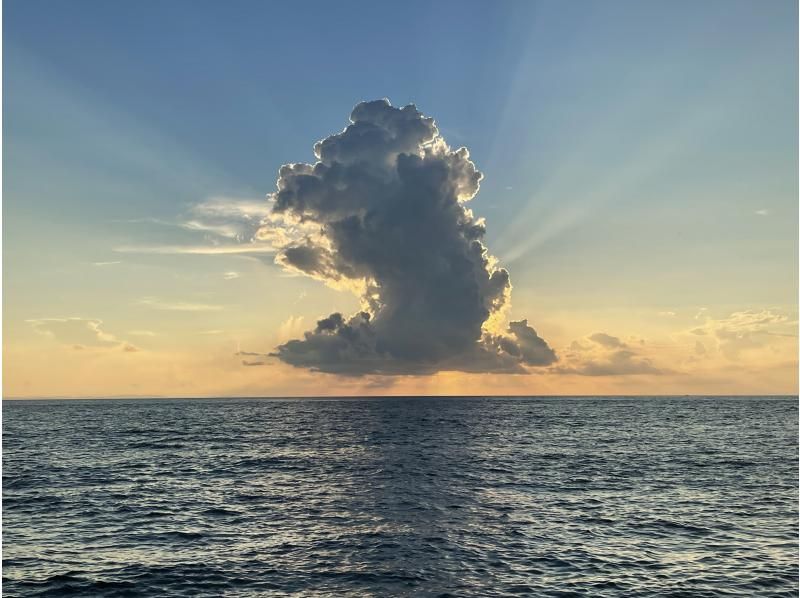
(634, 230)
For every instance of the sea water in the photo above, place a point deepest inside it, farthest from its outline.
(401, 496)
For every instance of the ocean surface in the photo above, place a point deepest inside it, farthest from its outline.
(401, 497)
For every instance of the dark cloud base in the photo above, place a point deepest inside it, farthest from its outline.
(352, 348)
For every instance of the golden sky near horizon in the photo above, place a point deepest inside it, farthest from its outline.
(741, 353)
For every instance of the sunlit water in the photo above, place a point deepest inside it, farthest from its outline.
(392, 497)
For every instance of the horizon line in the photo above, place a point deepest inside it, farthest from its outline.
(397, 396)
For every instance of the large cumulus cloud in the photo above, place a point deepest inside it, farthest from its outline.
(382, 212)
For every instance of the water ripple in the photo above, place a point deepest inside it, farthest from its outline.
(401, 497)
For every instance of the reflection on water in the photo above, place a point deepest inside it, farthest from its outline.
(480, 497)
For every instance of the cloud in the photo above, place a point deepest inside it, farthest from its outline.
(383, 213)
(252, 362)
(232, 218)
(223, 217)
(100, 264)
(602, 354)
(761, 212)
(242, 248)
(745, 331)
(618, 363)
(80, 333)
(178, 305)
(231, 275)
(251, 354)
(527, 345)
(606, 340)
(290, 328)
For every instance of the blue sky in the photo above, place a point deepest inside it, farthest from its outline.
(636, 154)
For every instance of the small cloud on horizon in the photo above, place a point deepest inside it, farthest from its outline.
(602, 354)
(744, 331)
(253, 363)
(606, 340)
(260, 358)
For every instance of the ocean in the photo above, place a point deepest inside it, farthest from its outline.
(401, 497)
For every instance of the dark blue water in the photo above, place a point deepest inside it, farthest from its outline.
(393, 497)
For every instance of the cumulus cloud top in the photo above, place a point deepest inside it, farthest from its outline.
(383, 213)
